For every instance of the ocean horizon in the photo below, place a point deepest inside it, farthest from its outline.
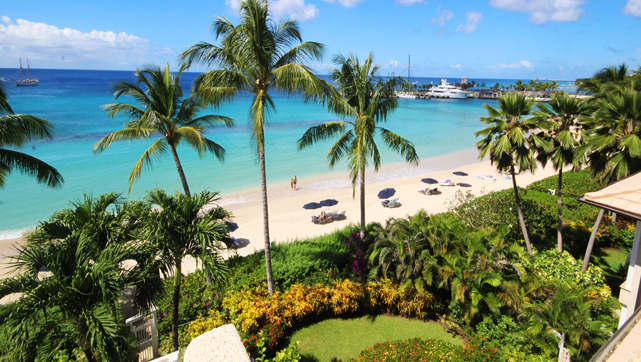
(72, 101)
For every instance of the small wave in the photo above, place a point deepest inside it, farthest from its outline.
(16, 233)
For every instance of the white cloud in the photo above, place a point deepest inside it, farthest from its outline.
(526, 64)
(295, 9)
(280, 9)
(346, 3)
(633, 7)
(542, 11)
(393, 63)
(474, 19)
(94, 49)
(561, 68)
(443, 17)
(5, 19)
(234, 5)
(458, 66)
(408, 2)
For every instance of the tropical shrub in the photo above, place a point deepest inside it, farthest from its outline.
(563, 267)
(575, 184)
(197, 299)
(428, 350)
(194, 329)
(358, 248)
(257, 314)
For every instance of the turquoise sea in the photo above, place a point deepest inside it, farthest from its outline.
(72, 100)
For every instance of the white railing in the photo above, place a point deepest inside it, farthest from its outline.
(143, 326)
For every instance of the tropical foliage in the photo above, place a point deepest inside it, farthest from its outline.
(254, 57)
(72, 274)
(507, 144)
(182, 228)
(16, 130)
(161, 112)
(368, 100)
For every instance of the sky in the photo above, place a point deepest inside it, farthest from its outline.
(508, 39)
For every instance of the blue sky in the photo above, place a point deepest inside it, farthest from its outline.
(548, 39)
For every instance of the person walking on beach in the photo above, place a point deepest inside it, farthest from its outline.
(294, 182)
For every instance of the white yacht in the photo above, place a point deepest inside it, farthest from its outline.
(405, 95)
(447, 90)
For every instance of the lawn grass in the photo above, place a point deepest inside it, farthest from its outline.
(341, 339)
(612, 262)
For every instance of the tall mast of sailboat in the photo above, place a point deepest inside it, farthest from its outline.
(20, 68)
(28, 69)
(409, 64)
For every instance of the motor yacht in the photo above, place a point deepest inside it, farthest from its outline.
(447, 90)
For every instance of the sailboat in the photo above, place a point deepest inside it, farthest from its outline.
(407, 95)
(28, 80)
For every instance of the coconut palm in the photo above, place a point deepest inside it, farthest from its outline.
(562, 124)
(614, 143)
(74, 304)
(161, 112)
(368, 102)
(254, 57)
(567, 315)
(15, 131)
(507, 143)
(182, 228)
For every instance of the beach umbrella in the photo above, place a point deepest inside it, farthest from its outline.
(231, 226)
(328, 202)
(386, 193)
(430, 181)
(312, 206)
(459, 173)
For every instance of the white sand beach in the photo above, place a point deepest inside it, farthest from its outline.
(289, 221)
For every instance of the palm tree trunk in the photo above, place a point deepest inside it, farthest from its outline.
(520, 213)
(362, 202)
(263, 185)
(181, 173)
(559, 225)
(175, 311)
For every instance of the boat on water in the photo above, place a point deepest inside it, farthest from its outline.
(408, 94)
(25, 81)
(447, 90)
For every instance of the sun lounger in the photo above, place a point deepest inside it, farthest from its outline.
(323, 218)
(391, 203)
(428, 191)
(446, 183)
(335, 215)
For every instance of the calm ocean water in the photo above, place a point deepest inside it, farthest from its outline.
(72, 100)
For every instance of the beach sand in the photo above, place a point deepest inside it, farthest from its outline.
(289, 221)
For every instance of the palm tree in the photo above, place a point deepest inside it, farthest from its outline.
(561, 122)
(161, 112)
(567, 315)
(75, 304)
(182, 228)
(614, 143)
(369, 102)
(507, 143)
(255, 58)
(611, 75)
(15, 131)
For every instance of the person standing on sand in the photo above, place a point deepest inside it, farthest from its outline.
(291, 184)
(295, 181)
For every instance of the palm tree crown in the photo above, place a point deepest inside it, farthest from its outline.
(507, 142)
(368, 101)
(254, 57)
(15, 131)
(161, 112)
(561, 122)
